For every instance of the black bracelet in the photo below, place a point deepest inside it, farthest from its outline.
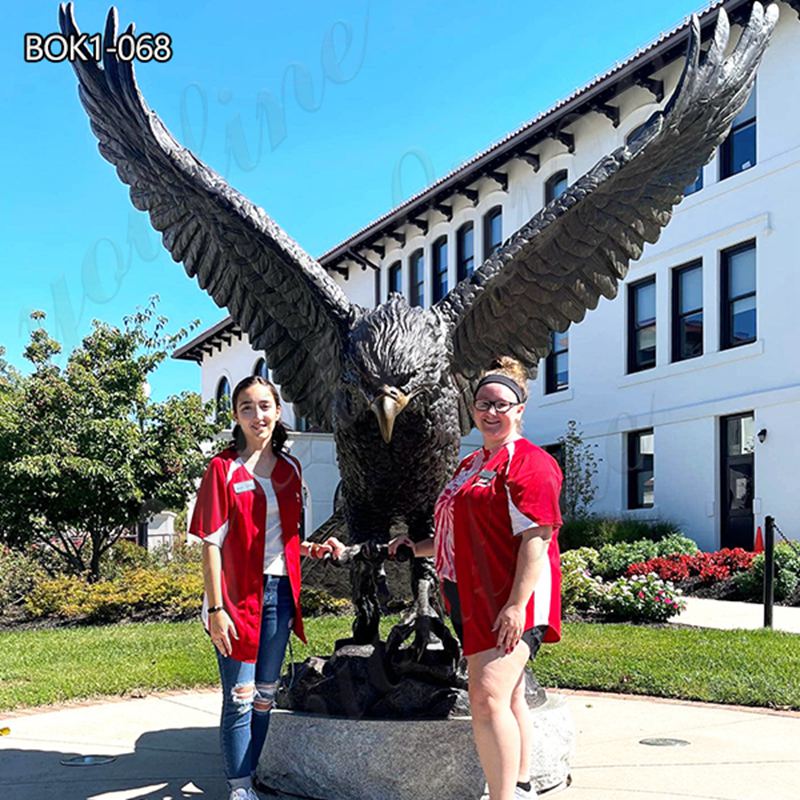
(214, 609)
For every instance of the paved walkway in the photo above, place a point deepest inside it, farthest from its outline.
(728, 615)
(166, 748)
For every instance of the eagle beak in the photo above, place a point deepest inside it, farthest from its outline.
(386, 406)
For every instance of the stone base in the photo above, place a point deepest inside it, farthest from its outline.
(332, 758)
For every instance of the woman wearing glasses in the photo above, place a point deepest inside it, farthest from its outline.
(496, 551)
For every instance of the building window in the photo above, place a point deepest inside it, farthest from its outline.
(222, 400)
(556, 186)
(557, 363)
(687, 311)
(492, 231)
(738, 151)
(557, 451)
(641, 454)
(465, 251)
(394, 279)
(417, 278)
(738, 292)
(642, 325)
(696, 185)
(377, 279)
(439, 268)
(260, 369)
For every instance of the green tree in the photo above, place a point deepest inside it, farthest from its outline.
(8, 375)
(84, 454)
(579, 465)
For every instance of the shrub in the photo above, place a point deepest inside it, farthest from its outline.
(122, 557)
(575, 533)
(597, 531)
(19, 571)
(125, 555)
(643, 598)
(578, 588)
(138, 593)
(709, 567)
(750, 584)
(317, 601)
(677, 543)
(614, 559)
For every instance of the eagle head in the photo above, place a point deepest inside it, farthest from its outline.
(395, 354)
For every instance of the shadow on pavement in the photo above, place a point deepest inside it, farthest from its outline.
(177, 763)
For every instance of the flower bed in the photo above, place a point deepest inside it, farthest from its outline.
(708, 567)
(645, 598)
(642, 598)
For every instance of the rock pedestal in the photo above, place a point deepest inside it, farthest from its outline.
(334, 758)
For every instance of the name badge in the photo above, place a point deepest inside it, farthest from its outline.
(244, 486)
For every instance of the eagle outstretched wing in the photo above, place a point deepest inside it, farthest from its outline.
(556, 267)
(280, 296)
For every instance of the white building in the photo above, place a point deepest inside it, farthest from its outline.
(689, 381)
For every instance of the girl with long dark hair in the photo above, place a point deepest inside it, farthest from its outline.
(248, 515)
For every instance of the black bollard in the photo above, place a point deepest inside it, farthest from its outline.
(769, 569)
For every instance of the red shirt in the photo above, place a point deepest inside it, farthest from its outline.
(231, 512)
(516, 488)
(444, 517)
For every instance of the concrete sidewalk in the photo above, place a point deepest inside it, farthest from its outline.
(727, 615)
(166, 747)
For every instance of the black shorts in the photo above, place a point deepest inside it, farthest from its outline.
(533, 637)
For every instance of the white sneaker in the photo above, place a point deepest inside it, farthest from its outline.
(242, 793)
(522, 794)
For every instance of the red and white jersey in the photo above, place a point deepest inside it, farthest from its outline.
(231, 512)
(516, 488)
(444, 517)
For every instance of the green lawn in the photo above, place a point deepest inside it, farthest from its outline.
(757, 668)
(754, 668)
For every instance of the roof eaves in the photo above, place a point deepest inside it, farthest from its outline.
(193, 350)
(466, 173)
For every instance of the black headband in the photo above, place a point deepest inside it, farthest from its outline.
(504, 380)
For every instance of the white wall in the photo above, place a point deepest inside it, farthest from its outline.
(317, 454)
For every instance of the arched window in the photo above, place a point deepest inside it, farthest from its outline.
(556, 186)
(439, 268)
(394, 279)
(417, 278)
(465, 251)
(260, 369)
(223, 399)
(492, 230)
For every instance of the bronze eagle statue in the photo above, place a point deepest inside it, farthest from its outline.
(393, 383)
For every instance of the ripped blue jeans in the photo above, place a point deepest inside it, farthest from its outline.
(248, 690)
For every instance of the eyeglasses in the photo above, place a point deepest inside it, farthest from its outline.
(500, 406)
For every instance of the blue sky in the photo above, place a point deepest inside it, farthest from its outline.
(309, 109)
